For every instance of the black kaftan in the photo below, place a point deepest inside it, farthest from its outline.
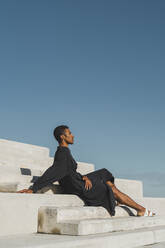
(64, 171)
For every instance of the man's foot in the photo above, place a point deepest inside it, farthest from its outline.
(145, 212)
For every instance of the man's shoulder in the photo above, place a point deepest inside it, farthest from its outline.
(61, 153)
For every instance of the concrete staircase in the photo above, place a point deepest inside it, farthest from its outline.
(23, 215)
(21, 164)
(90, 220)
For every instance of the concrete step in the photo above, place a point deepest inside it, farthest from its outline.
(14, 182)
(95, 226)
(52, 189)
(13, 149)
(89, 220)
(19, 212)
(14, 175)
(125, 239)
(63, 214)
(18, 178)
(24, 155)
(17, 154)
(10, 173)
(42, 165)
(133, 188)
(26, 163)
(13, 187)
(156, 204)
(84, 168)
(13, 171)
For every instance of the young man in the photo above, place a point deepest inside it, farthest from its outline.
(95, 189)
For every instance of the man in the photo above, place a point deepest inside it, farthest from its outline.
(95, 189)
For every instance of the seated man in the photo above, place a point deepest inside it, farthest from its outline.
(95, 189)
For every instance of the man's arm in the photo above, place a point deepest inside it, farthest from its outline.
(57, 171)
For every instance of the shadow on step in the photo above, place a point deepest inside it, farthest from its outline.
(127, 210)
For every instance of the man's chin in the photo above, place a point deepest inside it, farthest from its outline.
(70, 143)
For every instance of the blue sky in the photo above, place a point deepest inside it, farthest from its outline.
(95, 65)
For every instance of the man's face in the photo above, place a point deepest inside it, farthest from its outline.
(68, 136)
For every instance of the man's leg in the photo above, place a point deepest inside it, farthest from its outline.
(126, 200)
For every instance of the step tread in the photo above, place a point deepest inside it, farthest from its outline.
(115, 219)
(116, 239)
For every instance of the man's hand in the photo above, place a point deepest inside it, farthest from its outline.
(88, 183)
(25, 191)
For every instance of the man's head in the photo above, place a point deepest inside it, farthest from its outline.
(63, 134)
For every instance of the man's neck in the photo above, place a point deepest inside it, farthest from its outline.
(63, 144)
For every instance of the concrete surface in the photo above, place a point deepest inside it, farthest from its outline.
(133, 188)
(18, 212)
(156, 205)
(20, 163)
(90, 221)
(126, 239)
(61, 214)
(12, 152)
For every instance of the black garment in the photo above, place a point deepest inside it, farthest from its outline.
(64, 170)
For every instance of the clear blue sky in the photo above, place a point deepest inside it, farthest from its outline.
(95, 65)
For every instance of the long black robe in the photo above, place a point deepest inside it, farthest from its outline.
(64, 171)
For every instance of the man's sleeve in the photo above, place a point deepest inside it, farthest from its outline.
(57, 171)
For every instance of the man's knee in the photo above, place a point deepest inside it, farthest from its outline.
(108, 175)
(115, 191)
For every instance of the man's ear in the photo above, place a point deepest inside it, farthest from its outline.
(61, 137)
